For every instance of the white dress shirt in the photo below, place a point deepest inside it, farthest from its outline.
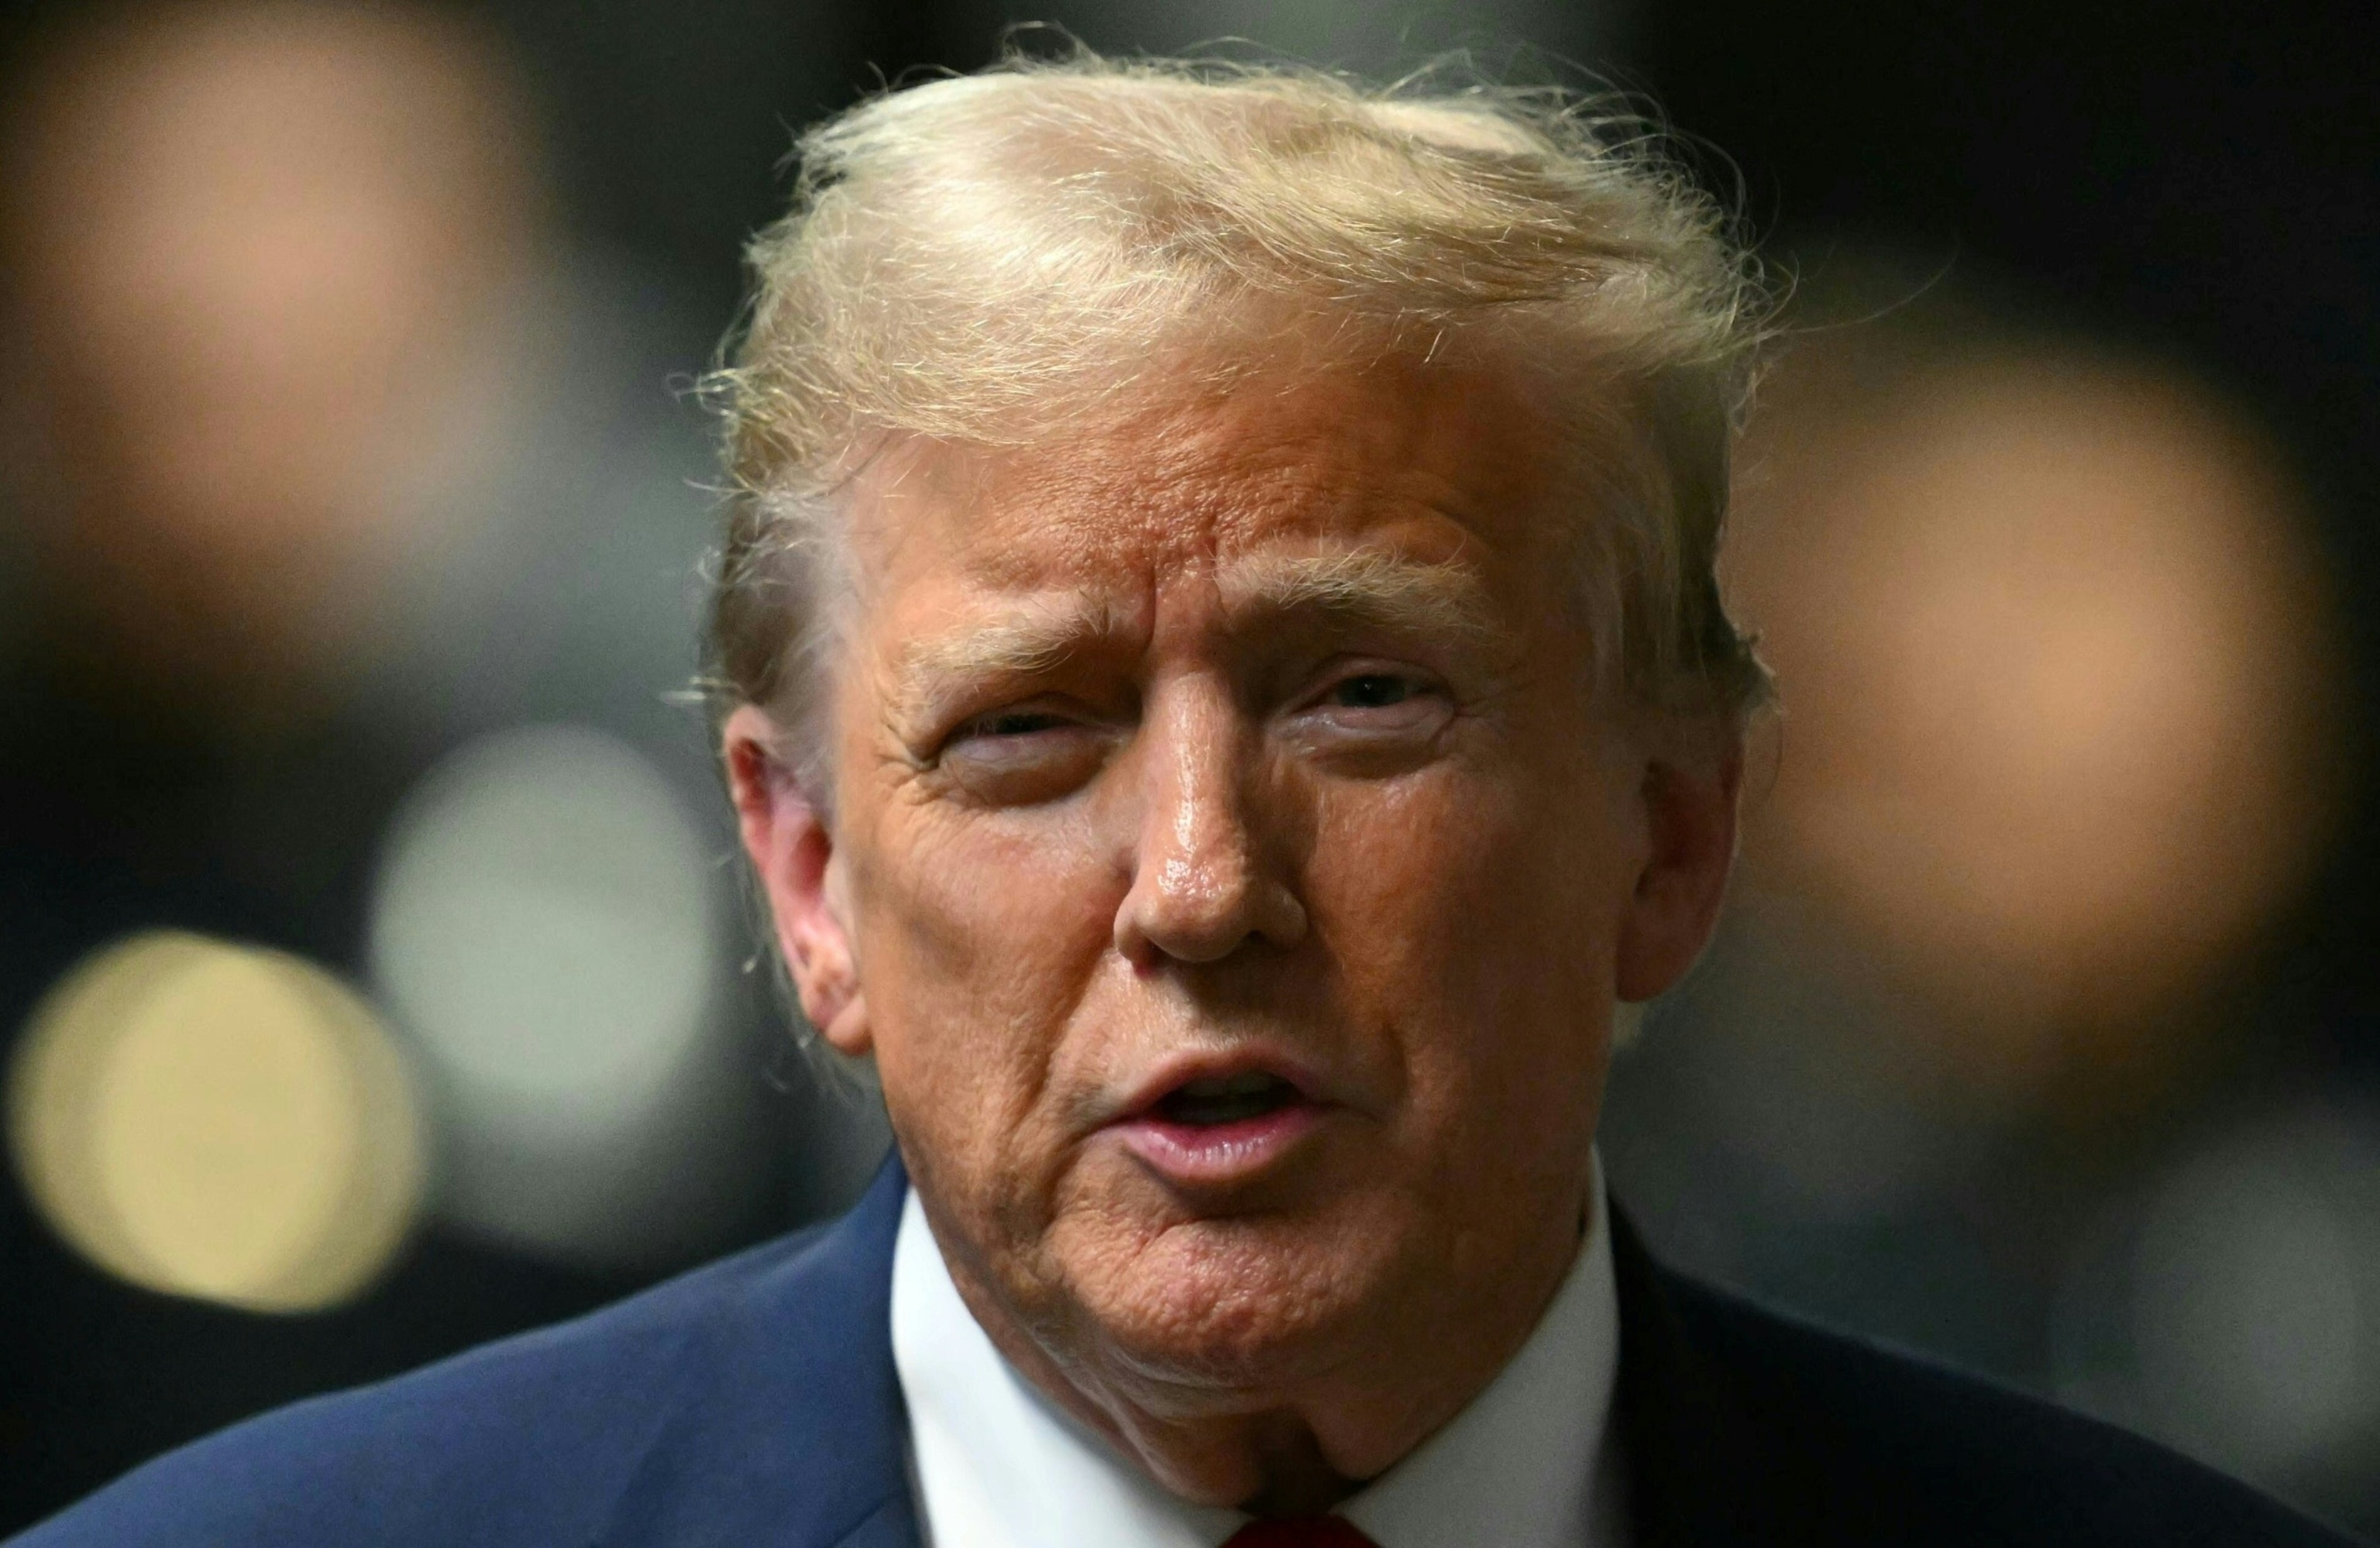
(1531, 1463)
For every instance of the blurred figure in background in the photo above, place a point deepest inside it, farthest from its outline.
(257, 257)
(2059, 751)
(346, 543)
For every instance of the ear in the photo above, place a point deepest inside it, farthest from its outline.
(792, 850)
(1689, 795)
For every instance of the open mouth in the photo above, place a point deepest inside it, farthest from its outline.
(1226, 1099)
(1221, 1129)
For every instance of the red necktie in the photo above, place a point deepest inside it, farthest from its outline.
(1306, 1532)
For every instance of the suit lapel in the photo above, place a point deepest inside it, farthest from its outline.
(856, 1420)
(787, 1428)
(894, 1523)
(1703, 1467)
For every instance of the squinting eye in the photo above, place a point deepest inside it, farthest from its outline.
(1011, 722)
(1373, 690)
(1023, 755)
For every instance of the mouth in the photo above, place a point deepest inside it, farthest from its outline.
(1207, 1128)
(1214, 1101)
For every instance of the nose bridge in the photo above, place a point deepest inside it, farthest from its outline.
(1195, 837)
(1201, 881)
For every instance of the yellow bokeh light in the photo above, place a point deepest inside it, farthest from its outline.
(219, 1122)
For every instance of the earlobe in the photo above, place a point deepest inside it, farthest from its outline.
(791, 849)
(1690, 820)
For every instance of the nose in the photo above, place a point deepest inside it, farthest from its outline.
(1204, 879)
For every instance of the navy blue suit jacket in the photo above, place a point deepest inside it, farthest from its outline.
(753, 1403)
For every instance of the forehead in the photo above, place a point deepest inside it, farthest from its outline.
(1437, 463)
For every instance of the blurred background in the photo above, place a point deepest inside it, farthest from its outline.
(374, 973)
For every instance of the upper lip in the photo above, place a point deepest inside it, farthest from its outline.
(1177, 1070)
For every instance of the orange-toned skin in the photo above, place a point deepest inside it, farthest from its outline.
(1416, 862)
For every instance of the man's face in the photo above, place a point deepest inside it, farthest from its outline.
(1237, 866)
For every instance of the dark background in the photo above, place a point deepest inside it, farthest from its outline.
(2201, 180)
(2197, 183)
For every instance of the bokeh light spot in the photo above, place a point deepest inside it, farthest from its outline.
(219, 1122)
(2246, 1313)
(2055, 662)
(2229, 1309)
(545, 922)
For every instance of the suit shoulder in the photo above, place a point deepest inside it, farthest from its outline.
(528, 1440)
(1892, 1446)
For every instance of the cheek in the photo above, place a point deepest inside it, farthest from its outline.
(976, 938)
(1455, 875)
(1479, 920)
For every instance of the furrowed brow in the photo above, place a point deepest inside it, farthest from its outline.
(1370, 591)
(1033, 640)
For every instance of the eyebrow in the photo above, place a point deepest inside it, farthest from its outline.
(1363, 590)
(1036, 640)
(1037, 637)
(1370, 590)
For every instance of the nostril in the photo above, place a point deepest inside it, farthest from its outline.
(1208, 924)
(1189, 910)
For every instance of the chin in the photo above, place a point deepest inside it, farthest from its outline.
(1215, 1307)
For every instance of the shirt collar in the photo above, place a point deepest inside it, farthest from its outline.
(1530, 1463)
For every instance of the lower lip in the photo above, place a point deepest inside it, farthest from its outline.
(1207, 1156)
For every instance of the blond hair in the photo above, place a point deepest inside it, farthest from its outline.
(989, 258)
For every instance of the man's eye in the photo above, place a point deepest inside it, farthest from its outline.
(1011, 723)
(1024, 756)
(1373, 691)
